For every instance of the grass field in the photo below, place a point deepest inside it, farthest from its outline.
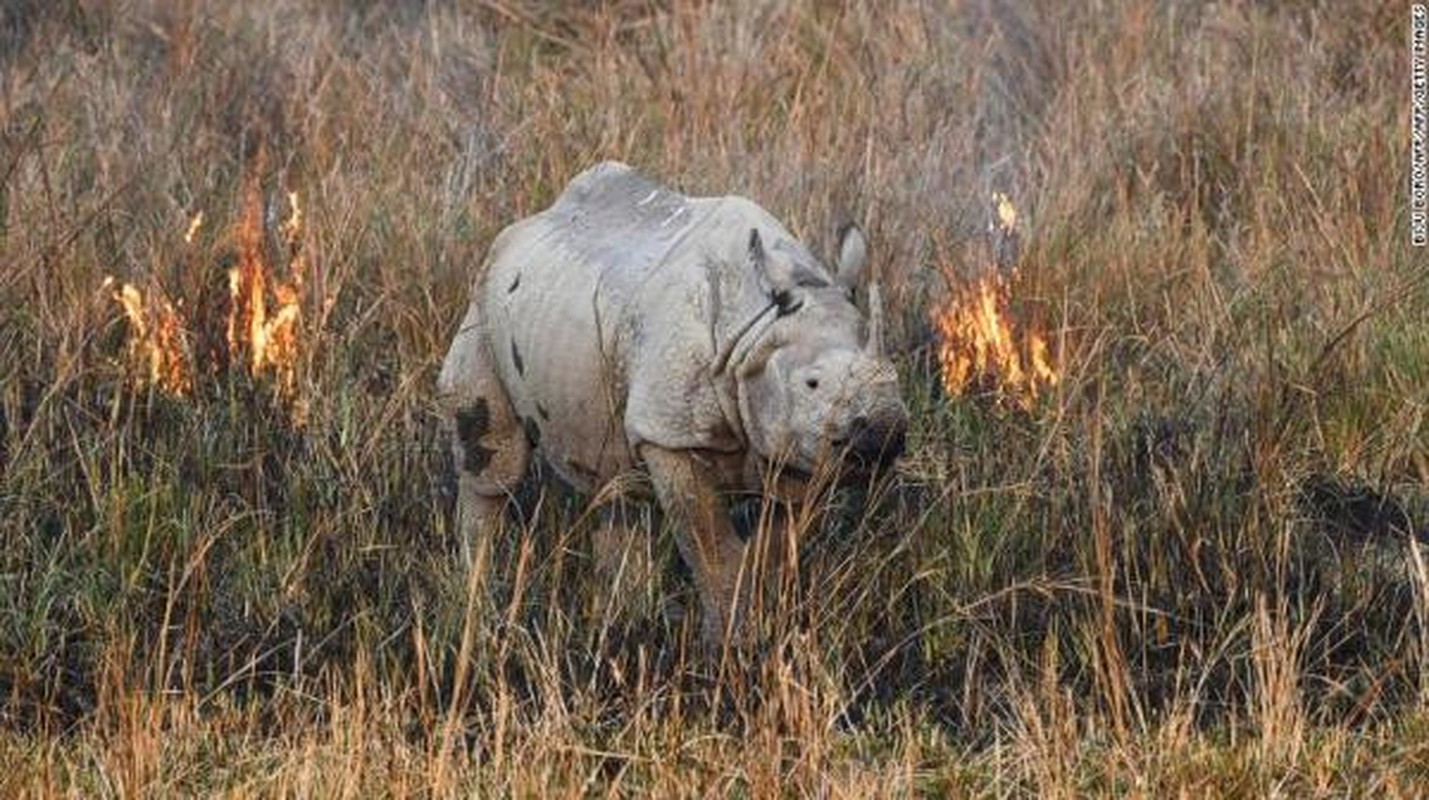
(1188, 569)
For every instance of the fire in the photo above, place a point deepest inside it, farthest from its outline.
(194, 225)
(980, 346)
(264, 336)
(1006, 212)
(264, 318)
(156, 348)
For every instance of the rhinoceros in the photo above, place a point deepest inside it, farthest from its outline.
(630, 327)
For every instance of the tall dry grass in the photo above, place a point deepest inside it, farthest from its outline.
(1190, 570)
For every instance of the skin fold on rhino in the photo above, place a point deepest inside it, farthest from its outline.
(630, 327)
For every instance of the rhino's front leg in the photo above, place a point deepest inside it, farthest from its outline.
(688, 491)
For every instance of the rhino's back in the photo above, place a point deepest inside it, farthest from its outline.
(561, 299)
(620, 223)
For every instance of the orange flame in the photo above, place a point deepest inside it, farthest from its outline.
(264, 315)
(157, 340)
(980, 347)
(263, 336)
(194, 225)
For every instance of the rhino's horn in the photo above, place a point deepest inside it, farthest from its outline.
(874, 345)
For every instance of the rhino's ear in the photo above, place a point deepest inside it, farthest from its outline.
(757, 257)
(775, 274)
(853, 256)
(853, 253)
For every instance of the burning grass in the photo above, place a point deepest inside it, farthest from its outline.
(263, 326)
(981, 348)
(156, 350)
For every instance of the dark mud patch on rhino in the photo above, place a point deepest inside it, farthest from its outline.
(472, 424)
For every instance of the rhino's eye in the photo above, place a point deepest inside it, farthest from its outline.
(812, 383)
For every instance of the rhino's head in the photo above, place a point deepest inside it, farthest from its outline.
(818, 389)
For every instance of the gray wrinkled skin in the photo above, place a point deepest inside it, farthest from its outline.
(631, 327)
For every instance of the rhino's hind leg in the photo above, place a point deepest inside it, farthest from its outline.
(489, 447)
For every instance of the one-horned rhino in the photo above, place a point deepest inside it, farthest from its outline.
(629, 326)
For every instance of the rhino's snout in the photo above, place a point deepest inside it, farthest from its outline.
(874, 444)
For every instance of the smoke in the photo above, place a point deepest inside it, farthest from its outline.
(1016, 81)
